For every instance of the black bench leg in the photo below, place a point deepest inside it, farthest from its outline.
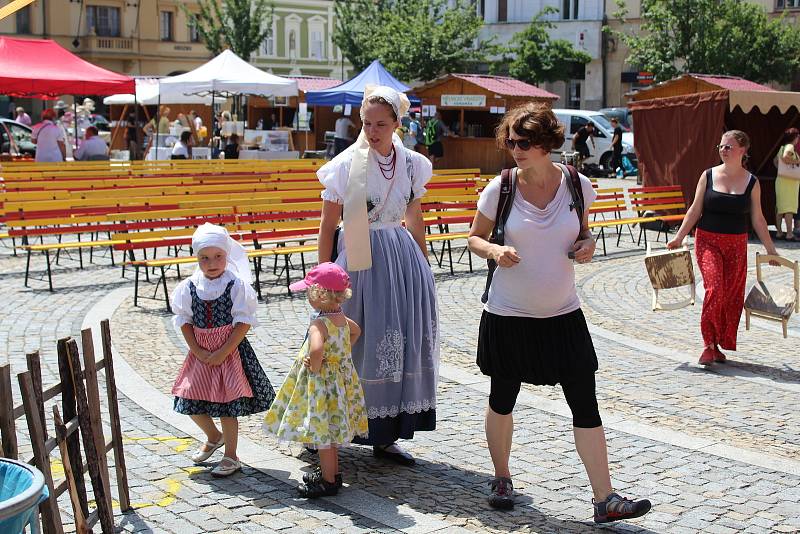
(14, 246)
(603, 235)
(136, 286)
(258, 278)
(27, 267)
(166, 293)
(80, 253)
(49, 273)
(288, 278)
(469, 258)
(303, 263)
(450, 256)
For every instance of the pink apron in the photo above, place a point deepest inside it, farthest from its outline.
(223, 383)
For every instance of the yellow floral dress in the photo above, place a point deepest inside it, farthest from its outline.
(325, 408)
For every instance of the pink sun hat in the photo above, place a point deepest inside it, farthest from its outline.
(326, 275)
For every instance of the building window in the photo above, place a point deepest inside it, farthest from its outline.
(575, 94)
(269, 45)
(569, 10)
(502, 10)
(788, 4)
(292, 44)
(24, 20)
(166, 26)
(194, 35)
(103, 20)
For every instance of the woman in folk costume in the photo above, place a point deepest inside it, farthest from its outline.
(373, 186)
(221, 376)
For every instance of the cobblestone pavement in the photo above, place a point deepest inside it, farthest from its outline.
(715, 450)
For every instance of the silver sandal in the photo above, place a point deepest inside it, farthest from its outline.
(201, 456)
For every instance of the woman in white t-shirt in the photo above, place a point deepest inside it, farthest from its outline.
(49, 139)
(532, 329)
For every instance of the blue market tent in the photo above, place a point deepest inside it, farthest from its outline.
(352, 91)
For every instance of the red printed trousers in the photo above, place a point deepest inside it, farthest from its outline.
(723, 262)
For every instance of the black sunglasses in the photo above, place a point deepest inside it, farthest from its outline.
(523, 144)
(724, 147)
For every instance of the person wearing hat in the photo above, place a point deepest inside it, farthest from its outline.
(375, 184)
(49, 139)
(220, 377)
(321, 403)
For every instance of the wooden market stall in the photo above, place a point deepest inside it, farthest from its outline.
(279, 113)
(679, 122)
(471, 105)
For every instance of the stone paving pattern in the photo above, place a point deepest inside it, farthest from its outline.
(692, 491)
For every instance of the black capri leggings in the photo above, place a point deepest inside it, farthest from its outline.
(580, 395)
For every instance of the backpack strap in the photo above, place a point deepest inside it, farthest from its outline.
(508, 185)
(576, 192)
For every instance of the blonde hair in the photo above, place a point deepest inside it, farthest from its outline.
(328, 296)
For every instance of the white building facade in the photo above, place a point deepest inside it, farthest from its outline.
(579, 22)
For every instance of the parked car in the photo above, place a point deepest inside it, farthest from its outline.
(15, 138)
(623, 115)
(600, 158)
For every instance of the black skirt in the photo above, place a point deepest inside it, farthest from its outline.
(536, 351)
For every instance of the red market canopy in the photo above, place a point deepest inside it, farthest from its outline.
(41, 68)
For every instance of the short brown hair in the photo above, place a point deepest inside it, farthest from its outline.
(535, 121)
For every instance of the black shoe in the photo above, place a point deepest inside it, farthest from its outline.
(398, 455)
(311, 450)
(316, 474)
(502, 496)
(615, 508)
(318, 488)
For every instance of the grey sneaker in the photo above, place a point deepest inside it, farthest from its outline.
(502, 496)
(615, 508)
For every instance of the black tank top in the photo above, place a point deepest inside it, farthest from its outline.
(725, 213)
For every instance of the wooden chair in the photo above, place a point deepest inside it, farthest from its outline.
(669, 269)
(771, 301)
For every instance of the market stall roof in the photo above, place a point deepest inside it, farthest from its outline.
(352, 91)
(41, 68)
(228, 74)
(147, 95)
(741, 92)
(500, 85)
(314, 83)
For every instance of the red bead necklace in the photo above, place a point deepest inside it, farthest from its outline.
(385, 167)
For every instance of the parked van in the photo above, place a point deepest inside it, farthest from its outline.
(574, 119)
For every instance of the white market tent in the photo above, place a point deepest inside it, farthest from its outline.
(147, 94)
(226, 75)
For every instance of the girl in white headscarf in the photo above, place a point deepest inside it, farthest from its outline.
(221, 377)
(375, 184)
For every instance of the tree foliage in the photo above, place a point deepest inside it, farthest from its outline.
(413, 39)
(240, 25)
(536, 58)
(712, 37)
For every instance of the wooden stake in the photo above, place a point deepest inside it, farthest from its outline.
(8, 428)
(69, 411)
(113, 413)
(101, 496)
(61, 435)
(95, 418)
(51, 517)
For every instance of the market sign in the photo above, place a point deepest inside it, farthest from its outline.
(463, 101)
(645, 78)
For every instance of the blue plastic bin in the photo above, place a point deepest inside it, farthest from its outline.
(22, 489)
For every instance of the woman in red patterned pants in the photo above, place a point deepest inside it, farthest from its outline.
(726, 197)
